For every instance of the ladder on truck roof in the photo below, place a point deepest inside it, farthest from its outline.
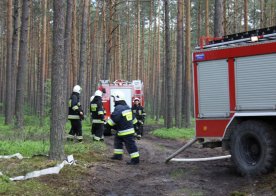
(264, 34)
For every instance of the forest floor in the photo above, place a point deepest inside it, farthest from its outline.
(153, 177)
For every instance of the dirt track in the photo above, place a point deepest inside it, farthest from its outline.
(154, 177)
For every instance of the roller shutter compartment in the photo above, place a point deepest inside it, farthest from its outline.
(213, 89)
(256, 82)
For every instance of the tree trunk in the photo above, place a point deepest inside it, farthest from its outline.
(128, 45)
(188, 82)
(8, 102)
(93, 54)
(138, 43)
(57, 101)
(81, 79)
(142, 57)
(245, 15)
(21, 75)
(109, 40)
(74, 44)
(169, 86)
(104, 34)
(262, 14)
(198, 21)
(159, 71)
(235, 16)
(67, 47)
(178, 90)
(218, 19)
(67, 51)
(14, 52)
(224, 18)
(41, 71)
(207, 18)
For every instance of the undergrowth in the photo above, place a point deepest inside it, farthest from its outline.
(174, 133)
(33, 143)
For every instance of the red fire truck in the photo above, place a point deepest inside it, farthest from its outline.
(131, 90)
(235, 98)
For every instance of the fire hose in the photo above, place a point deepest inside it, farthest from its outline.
(171, 157)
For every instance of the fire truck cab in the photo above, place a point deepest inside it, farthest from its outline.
(131, 90)
(235, 97)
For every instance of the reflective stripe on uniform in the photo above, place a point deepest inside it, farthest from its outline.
(126, 112)
(140, 112)
(126, 132)
(134, 155)
(70, 136)
(75, 107)
(111, 122)
(79, 137)
(100, 112)
(97, 121)
(73, 117)
(93, 107)
(144, 114)
(96, 138)
(118, 151)
(134, 121)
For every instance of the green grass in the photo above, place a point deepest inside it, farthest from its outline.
(30, 148)
(151, 121)
(174, 133)
(27, 188)
(26, 148)
(34, 140)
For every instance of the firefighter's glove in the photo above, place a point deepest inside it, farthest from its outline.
(141, 122)
(81, 116)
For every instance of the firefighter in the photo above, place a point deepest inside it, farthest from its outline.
(97, 115)
(122, 121)
(75, 115)
(140, 115)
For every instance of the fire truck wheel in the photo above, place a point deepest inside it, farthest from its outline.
(253, 148)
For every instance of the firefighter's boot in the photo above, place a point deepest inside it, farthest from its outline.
(138, 137)
(117, 157)
(70, 138)
(79, 138)
(133, 161)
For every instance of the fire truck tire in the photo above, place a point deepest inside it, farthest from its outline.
(253, 148)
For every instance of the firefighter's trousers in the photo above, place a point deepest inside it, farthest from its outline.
(139, 128)
(76, 128)
(130, 145)
(97, 131)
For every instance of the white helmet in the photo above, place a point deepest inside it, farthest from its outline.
(77, 89)
(91, 98)
(99, 93)
(136, 99)
(118, 96)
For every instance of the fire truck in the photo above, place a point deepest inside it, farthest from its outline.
(235, 98)
(131, 90)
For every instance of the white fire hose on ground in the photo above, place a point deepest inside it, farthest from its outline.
(171, 157)
(51, 170)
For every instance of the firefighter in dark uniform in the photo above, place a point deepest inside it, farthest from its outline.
(97, 115)
(122, 121)
(140, 114)
(75, 115)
